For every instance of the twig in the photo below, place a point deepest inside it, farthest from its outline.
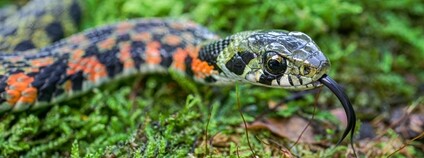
(244, 121)
(407, 143)
(310, 120)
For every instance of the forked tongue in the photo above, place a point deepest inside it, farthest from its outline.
(350, 113)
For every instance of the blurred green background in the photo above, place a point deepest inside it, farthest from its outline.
(376, 49)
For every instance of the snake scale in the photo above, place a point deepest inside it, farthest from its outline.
(35, 73)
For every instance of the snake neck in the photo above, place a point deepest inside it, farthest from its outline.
(209, 52)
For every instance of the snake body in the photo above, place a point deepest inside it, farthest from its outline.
(31, 77)
(34, 77)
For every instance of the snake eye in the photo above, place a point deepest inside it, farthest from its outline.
(274, 63)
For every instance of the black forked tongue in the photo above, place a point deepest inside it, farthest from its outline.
(350, 113)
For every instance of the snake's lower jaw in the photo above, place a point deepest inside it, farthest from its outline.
(341, 95)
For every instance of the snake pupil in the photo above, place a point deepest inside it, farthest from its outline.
(275, 64)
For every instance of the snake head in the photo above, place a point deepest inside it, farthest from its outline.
(282, 59)
(275, 58)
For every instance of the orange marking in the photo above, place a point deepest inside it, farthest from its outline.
(153, 53)
(107, 43)
(125, 56)
(19, 78)
(124, 27)
(172, 40)
(25, 79)
(19, 89)
(12, 96)
(77, 54)
(29, 96)
(13, 78)
(18, 86)
(90, 66)
(142, 36)
(15, 59)
(42, 62)
(201, 68)
(193, 51)
(177, 26)
(77, 39)
(179, 59)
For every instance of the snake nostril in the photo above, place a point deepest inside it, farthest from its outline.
(324, 67)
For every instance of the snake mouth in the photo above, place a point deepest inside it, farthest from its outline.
(347, 106)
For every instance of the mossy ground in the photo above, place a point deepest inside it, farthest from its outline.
(376, 50)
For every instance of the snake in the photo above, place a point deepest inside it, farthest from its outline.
(39, 67)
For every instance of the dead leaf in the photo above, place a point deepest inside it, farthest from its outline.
(407, 123)
(340, 115)
(417, 123)
(290, 128)
(222, 140)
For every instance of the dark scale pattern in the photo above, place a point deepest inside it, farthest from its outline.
(110, 61)
(266, 79)
(75, 12)
(210, 79)
(210, 52)
(123, 38)
(290, 80)
(8, 65)
(238, 63)
(247, 56)
(48, 78)
(299, 79)
(24, 45)
(143, 27)
(98, 34)
(77, 79)
(55, 31)
(136, 50)
(188, 60)
(3, 84)
(167, 57)
(14, 71)
(91, 50)
(157, 37)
